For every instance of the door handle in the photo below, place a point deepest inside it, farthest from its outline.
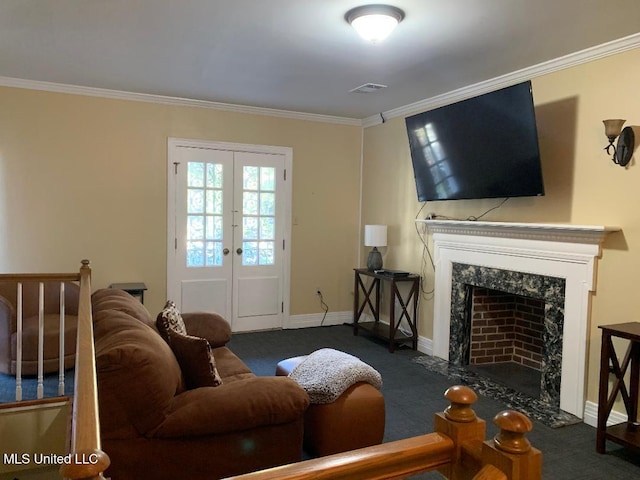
(225, 251)
(239, 251)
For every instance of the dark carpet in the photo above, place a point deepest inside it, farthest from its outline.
(413, 394)
(30, 385)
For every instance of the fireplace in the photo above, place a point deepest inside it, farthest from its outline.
(545, 289)
(556, 261)
(505, 327)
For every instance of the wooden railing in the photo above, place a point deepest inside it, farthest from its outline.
(39, 279)
(88, 461)
(456, 449)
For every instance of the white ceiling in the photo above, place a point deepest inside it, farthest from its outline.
(297, 55)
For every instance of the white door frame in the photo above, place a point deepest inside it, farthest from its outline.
(287, 152)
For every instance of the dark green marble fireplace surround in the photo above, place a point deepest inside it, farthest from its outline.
(551, 290)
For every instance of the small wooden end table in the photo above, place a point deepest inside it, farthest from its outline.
(625, 433)
(408, 307)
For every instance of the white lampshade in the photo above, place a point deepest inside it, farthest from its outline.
(374, 23)
(375, 235)
(374, 28)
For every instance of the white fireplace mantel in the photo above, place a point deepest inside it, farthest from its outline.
(555, 232)
(557, 250)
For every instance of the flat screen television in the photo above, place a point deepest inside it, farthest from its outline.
(482, 147)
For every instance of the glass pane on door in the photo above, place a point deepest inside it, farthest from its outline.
(204, 215)
(258, 215)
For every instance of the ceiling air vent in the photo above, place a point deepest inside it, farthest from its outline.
(368, 88)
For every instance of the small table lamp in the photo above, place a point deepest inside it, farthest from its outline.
(375, 236)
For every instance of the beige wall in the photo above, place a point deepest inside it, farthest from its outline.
(582, 186)
(84, 177)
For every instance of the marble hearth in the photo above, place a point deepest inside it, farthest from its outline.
(553, 262)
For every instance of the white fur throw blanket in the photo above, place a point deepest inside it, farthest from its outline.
(326, 373)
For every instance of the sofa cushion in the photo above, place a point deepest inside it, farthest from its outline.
(138, 376)
(252, 403)
(107, 299)
(230, 367)
(208, 325)
(169, 318)
(196, 360)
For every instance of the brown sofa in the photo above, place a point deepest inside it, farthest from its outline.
(153, 427)
(30, 314)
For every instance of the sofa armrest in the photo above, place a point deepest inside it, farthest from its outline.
(232, 407)
(208, 325)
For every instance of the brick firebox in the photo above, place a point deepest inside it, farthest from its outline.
(506, 328)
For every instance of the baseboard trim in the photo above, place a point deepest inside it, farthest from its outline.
(591, 415)
(425, 345)
(315, 319)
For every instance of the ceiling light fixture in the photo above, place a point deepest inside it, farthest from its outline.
(374, 22)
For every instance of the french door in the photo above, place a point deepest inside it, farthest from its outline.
(227, 216)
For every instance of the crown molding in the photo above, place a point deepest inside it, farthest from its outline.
(590, 54)
(166, 100)
(583, 56)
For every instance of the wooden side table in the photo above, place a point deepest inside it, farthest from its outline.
(625, 433)
(408, 305)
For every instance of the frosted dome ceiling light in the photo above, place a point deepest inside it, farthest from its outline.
(374, 22)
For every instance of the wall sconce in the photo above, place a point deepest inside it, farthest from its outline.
(623, 151)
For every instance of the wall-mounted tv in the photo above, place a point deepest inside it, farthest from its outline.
(482, 147)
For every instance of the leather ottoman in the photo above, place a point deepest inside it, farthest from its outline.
(354, 420)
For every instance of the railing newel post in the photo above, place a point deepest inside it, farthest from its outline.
(460, 423)
(510, 451)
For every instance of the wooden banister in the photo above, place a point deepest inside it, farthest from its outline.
(393, 460)
(39, 277)
(88, 461)
(489, 472)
